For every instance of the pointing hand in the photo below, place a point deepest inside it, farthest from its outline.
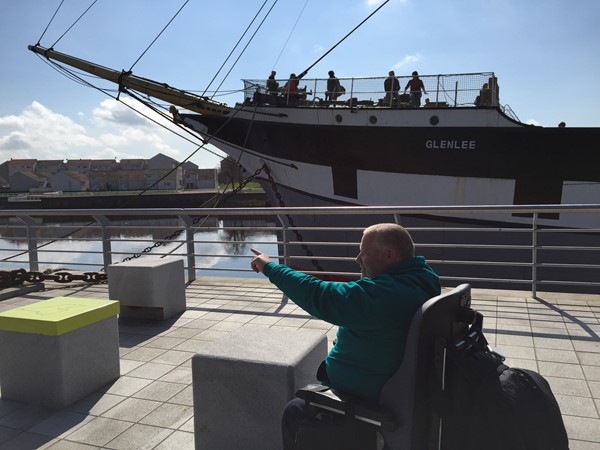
(259, 261)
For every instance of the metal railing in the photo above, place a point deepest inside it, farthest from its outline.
(485, 252)
(447, 90)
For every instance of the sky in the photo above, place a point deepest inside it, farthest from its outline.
(545, 53)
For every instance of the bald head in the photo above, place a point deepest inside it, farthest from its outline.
(394, 236)
(382, 246)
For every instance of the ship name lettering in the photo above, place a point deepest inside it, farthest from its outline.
(460, 145)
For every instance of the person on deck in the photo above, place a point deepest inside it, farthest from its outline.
(391, 86)
(334, 88)
(416, 85)
(272, 84)
(485, 96)
(291, 88)
(373, 315)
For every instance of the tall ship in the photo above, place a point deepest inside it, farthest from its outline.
(368, 147)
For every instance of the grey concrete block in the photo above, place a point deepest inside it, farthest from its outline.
(242, 383)
(148, 287)
(55, 371)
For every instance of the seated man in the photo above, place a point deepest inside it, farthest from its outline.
(485, 95)
(373, 315)
(272, 84)
(291, 90)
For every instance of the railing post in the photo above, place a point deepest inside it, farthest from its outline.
(456, 94)
(190, 250)
(534, 248)
(32, 246)
(285, 240)
(106, 243)
(351, 92)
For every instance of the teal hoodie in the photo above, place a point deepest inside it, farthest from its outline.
(373, 315)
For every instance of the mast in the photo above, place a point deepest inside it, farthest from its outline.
(187, 100)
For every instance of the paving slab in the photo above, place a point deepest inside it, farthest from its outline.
(151, 406)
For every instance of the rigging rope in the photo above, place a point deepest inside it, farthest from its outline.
(247, 44)
(233, 49)
(159, 34)
(290, 35)
(78, 19)
(51, 20)
(218, 198)
(75, 77)
(343, 39)
(70, 74)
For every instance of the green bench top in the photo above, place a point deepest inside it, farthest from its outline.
(57, 316)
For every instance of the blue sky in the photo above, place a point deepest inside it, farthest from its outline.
(545, 53)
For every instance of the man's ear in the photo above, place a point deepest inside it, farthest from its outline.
(390, 255)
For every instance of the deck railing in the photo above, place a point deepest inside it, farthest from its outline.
(450, 90)
(488, 254)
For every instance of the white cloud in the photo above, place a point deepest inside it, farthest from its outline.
(408, 61)
(152, 141)
(126, 112)
(115, 131)
(112, 130)
(16, 141)
(41, 132)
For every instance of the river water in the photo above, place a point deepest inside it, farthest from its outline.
(77, 245)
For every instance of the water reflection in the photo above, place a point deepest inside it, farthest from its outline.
(219, 243)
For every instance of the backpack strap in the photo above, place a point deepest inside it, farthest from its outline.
(501, 368)
(474, 338)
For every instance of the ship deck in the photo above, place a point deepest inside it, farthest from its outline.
(150, 406)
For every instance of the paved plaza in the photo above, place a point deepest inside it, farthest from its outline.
(150, 406)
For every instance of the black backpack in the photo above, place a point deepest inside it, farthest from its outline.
(488, 405)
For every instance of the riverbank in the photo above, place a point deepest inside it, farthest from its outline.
(199, 198)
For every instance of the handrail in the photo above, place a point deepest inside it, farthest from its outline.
(313, 210)
(482, 253)
(448, 90)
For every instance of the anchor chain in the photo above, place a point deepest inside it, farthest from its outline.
(171, 237)
(157, 244)
(290, 219)
(12, 278)
(242, 185)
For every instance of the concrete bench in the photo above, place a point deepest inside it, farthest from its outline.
(242, 383)
(55, 352)
(148, 287)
